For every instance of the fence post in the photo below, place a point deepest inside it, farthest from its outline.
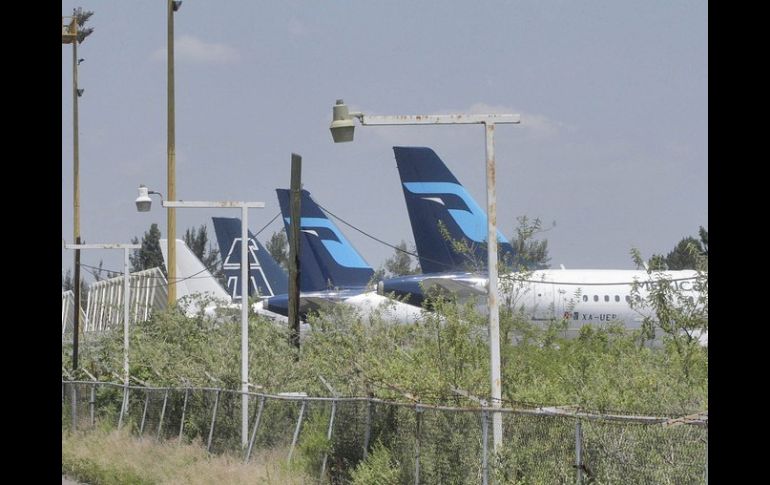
(92, 404)
(328, 437)
(162, 413)
(184, 409)
(579, 451)
(144, 413)
(123, 406)
(368, 431)
(256, 425)
(418, 418)
(213, 420)
(74, 405)
(484, 440)
(296, 430)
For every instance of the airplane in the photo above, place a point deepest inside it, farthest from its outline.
(574, 296)
(266, 277)
(194, 281)
(332, 271)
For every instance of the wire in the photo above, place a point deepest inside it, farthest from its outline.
(380, 240)
(265, 226)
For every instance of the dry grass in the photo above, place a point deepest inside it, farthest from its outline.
(113, 457)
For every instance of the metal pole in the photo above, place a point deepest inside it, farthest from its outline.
(256, 425)
(244, 327)
(368, 431)
(328, 438)
(171, 168)
(162, 414)
(294, 266)
(144, 413)
(494, 316)
(92, 404)
(125, 316)
(123, 406)
(213, 420)
(74, 406)
(579, 452)
(484, 444)
(296, 430)
(184, 409)
(418, 418)
(75, 201)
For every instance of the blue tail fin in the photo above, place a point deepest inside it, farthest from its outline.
(266, 277)
(435, 199)
(327, 259)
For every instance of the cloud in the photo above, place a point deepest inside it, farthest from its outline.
(191, 49)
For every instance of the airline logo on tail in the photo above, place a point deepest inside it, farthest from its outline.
(335, 243)
(233, 258)
(233, 262)
(460, 205)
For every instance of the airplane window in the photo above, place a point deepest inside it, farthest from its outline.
(617, 298)
(585, 297)
(628, 299)
(606, 297)
(596, 297)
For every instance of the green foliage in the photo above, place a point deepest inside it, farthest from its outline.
(198, 242)
(149, 255)
(685, 254)
(379, 467)
(400, 264)
(529, 253)
(605, 369)
(689, 253)
(278, 247)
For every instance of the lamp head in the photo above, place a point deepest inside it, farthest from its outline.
(342, 123)
(176, 5)
(143, 202)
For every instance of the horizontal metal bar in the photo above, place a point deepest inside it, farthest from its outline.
(102, 246)
(212, 204)
(542, 411)
(450, 119)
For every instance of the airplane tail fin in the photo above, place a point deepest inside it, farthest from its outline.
(326, 256)
(449, 227)
(266, 277)
(192, 278)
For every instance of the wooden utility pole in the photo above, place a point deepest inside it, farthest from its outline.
(294, 266)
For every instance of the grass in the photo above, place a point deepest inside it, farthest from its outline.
(115, 457)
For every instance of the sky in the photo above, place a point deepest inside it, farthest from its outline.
(611, 153)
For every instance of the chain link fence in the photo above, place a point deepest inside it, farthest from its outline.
(427, 444)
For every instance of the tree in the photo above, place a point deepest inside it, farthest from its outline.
(278, 248)
(529, 253)
(149, 255)
(198, 242)
(684, 255)
(67, 284)
(400, 264)
(81, 17)
(704, 239)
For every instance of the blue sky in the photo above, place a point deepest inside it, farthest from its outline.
(612, 96)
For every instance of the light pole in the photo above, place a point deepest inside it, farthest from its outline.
(72, 33)
(342, 128)
(126, 297)
(143, 203)
(173, 6)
